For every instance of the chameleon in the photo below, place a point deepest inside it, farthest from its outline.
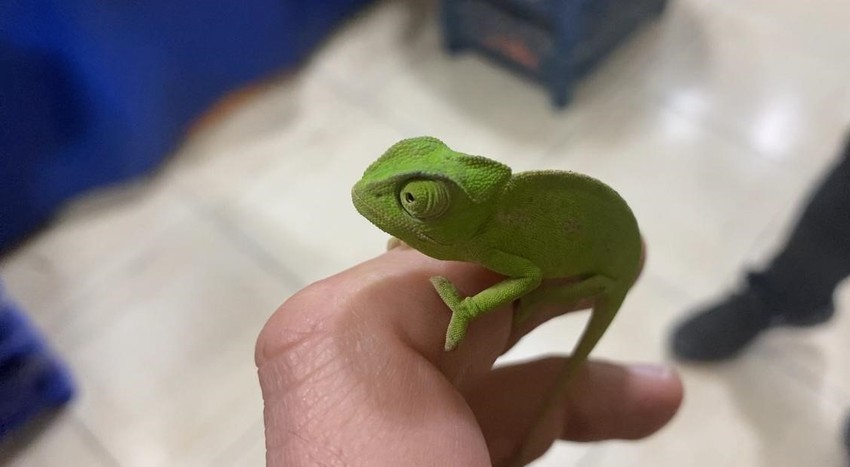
(528, 227)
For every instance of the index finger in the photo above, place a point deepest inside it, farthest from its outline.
(390, 299)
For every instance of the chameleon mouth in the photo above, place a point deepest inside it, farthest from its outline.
(364, 208)
(373, 214)
(359, 204)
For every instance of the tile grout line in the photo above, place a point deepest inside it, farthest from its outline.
(365, 102)
(618, 94)
(591, 457)
(728, 134)
(93, 441)
(829, 393)
(93, 283)
(231, 450)
(776, 25)
(245, 242)
(671, 288)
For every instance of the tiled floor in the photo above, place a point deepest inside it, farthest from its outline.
(712, 123)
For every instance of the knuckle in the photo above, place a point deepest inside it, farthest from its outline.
(301, 319)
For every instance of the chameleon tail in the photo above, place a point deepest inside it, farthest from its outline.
(605, 307)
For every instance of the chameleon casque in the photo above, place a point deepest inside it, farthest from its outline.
(528, 226)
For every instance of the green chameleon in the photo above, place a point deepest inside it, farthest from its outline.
(528, 227)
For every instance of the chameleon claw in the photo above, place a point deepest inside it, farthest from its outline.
(448, 292)
(460, 314)
(456, 331)
(461, 317)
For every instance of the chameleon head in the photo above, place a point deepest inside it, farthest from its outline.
(428, 195)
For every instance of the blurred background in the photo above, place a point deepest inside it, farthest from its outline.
(171, 172)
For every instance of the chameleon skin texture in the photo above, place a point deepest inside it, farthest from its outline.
(529, 227)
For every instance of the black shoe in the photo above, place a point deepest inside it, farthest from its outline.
(721, 331)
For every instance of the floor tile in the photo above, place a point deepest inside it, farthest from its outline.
(377, 43)
(164, 350)
(304, 218)
(249, 451)
(59, 440)
(739, 75)
(822, 27)
(564, 454)
(222, 161)
(818, 356)
(87, 242)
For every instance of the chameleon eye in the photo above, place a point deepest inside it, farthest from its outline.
(425, 199)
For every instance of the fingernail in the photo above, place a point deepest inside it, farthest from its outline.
(652, 370)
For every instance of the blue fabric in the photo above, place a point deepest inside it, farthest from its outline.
(32, 379)
(555, 42)
(94, 92)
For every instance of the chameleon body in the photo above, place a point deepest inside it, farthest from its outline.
(529, 227)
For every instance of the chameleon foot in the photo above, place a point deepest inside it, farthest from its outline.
(456, 331)
(461, 315)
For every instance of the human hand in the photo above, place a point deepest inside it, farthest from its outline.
(353, 372)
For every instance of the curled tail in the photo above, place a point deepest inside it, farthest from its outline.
(605, 307)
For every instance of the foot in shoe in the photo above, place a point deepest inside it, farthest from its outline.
(720, 331)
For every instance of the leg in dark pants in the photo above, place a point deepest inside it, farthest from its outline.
(817, 255)
(795, 289)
